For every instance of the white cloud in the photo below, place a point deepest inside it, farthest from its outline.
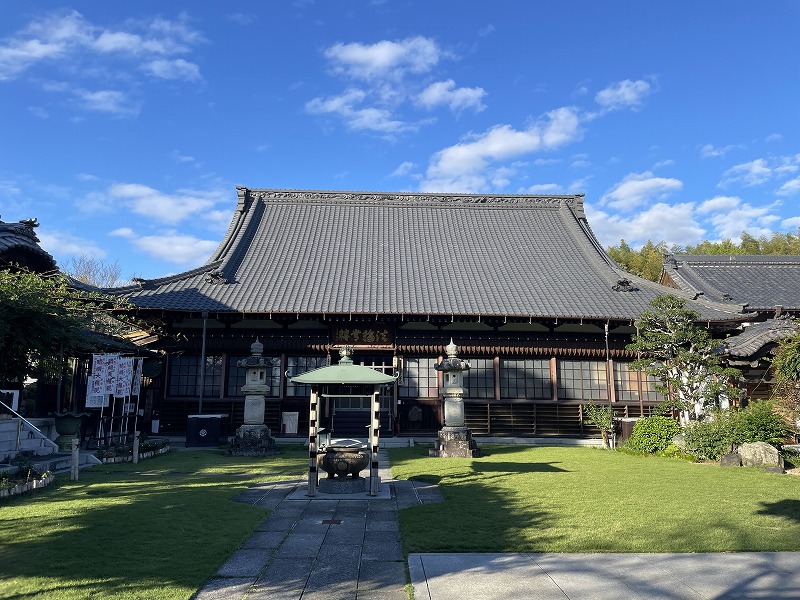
(624, 94)
(62, 244)
(173, 69)
(161, 207)
(486, 30)
(109, 101)
(580, 161)
(68, 34)
(709, 151)
(464, 166)
(182, 158)
(241, 18)
(719, 203)
(668, 162)
(357, 118)
(773, 137)
(49, 38)
(730, 216)
(9, 187)
(87, 52)
(790, 223)
(671, 223)
(544, 188)
(638, 188)
(404, 169)
(170, 246)
(748, 174)
(384, 59)
(456, 99)
(789, 188)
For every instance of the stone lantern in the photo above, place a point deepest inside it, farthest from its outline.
(455, 439)
(254, 437)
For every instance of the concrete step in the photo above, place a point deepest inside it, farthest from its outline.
(62, 462)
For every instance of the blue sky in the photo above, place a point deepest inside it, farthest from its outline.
(125, 126)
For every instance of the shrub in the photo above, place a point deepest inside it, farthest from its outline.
(722, 430)
(712, 437)
(760, 423)
(674, 451)
(652, 434)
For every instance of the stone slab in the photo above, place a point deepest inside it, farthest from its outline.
(245, 562)
(767, 575)
(224, 588)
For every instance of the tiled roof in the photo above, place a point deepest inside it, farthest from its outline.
(762, 282)
(410, 254)
(756, 336)
(19, 245)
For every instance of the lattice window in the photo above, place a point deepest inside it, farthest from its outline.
(479, 380)
(582, 380)
(297, 365)
(420, 378)
(521, 379)
(627, 380)
(184, 376)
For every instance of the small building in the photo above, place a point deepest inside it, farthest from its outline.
(520, 282)
(768, 286)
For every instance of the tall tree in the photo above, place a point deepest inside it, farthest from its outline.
(682, 357)
(646, 262)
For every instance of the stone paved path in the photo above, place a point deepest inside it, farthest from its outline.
(322, 548)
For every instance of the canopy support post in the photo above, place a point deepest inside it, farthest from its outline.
(312, 443)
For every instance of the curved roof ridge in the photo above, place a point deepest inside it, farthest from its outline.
(743, 259)
(140, 284)
(342, 196)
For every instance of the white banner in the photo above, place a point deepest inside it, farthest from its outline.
(137, 378)
(104, 372)
(94, 400)
(124, 377)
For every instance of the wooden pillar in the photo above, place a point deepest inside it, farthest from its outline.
(374, 431)
(312, 443)
(496, 371)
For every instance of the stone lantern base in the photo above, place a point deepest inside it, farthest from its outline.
(455, 442)
(253, 440)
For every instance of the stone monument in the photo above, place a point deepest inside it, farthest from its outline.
(254, 438)
(455, 439)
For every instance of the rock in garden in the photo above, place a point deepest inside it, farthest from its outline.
(760, 454)
(732, 459)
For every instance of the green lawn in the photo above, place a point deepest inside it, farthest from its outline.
(547, 499)
(158, 529)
